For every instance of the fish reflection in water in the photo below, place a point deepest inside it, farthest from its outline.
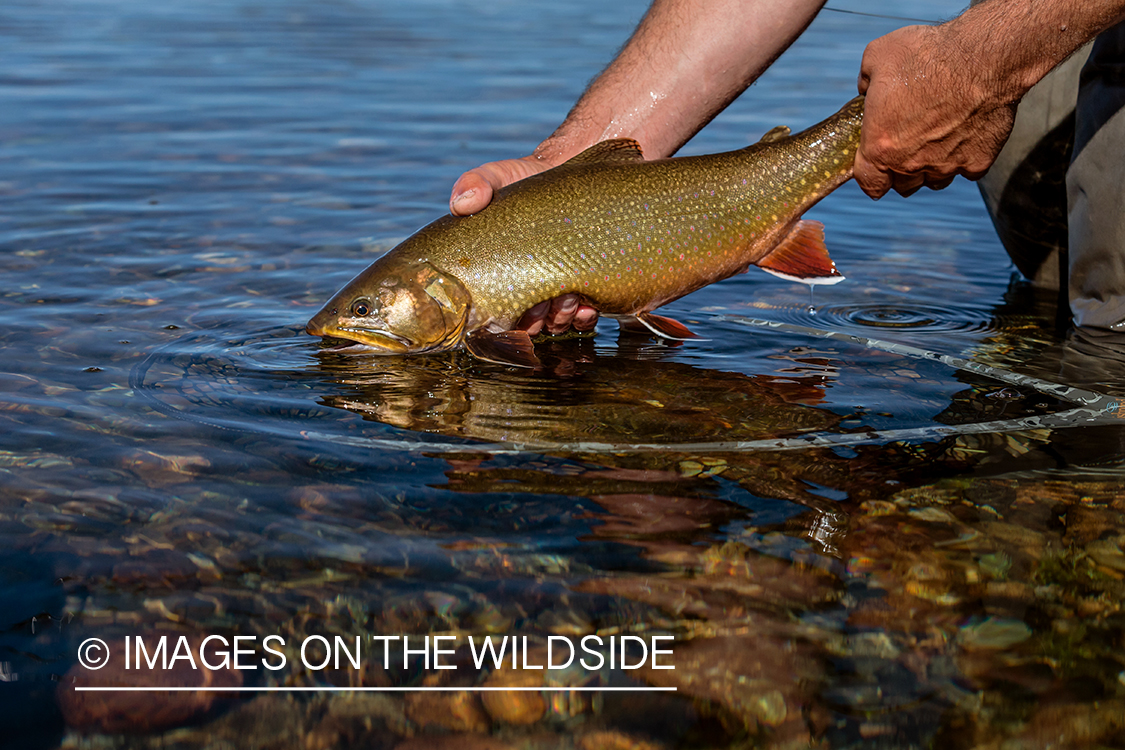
(583, 397)
(586, 399)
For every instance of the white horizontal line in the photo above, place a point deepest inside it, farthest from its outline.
(333, 689)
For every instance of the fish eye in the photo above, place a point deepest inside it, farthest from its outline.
(360, 308)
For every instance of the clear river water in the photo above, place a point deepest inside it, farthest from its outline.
(891, 515)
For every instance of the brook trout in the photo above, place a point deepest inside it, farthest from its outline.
(626, 234)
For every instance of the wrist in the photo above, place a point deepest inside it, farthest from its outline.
(1013, 44)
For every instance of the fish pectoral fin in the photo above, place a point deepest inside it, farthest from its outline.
(775, 134)
(615, 150)
(802, 256)
(665, 328)
(504, 348)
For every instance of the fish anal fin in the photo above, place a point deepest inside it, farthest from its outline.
(665, 328)
(802, 256)
(613, 151)
(775, 134)
(504, 348)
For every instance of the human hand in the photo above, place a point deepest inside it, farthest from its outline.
(559, 315)
(932, 113)
(474, 189)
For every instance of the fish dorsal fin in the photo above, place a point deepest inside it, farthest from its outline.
(775, 134)
(613, 151)
(802, 256)
(512, 348)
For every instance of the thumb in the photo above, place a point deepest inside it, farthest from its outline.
(473, 190)
(471, 193)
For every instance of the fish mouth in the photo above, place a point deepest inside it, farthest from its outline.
(375, 340)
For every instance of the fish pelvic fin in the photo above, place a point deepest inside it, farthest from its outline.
(613, 151)
(513, 348)
(665, 328)
(802, 256)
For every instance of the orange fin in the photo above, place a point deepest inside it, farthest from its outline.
(665, 328)
(505, 348)
(613, 151)
(802, 256)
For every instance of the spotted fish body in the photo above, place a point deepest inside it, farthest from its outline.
(626, 234)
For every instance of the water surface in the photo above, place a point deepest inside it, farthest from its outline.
(842, 552)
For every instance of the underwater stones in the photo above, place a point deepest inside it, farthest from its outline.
(1003, 596)
(337, 721)
(453, 742)
(928, 578)
(994, 633)
(757, 679)
(875, 645)
(702, 468)
(932, 515)
(1070, 725)
(878, 507)
(1107, 553)
(515, 707)
(156, 567)
(610, 740)
(995, 564)
(158, 470)
(453, 711)
(651, 514)
(1032, 543)
(1085, 524)
(140, 712)
(348, 720)
(928, 495)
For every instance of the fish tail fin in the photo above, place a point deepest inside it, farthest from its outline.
(802, 256)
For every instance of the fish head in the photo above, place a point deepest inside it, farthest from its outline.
(401, 309)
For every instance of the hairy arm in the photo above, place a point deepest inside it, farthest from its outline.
(686, 61)
(941, 100)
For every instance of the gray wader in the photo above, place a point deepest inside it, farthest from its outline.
(1055, 193)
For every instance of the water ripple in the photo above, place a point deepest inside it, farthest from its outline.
(909, 317)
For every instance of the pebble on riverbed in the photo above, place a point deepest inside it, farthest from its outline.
(140, 713)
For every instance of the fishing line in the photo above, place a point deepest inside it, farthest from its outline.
(880, 15)
(1081, 396)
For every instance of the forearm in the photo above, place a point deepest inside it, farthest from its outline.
(687, 60)
(1014, 43)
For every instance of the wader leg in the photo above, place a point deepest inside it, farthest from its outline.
(1025, 190)
(1055, 193)
(1095, 193)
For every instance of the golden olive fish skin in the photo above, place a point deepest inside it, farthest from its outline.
(628, 235)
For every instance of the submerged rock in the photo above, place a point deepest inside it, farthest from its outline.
(454, 711)
(140, 712)
(759, 680)
(515, 707)
(613, 741)
(994, 633)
